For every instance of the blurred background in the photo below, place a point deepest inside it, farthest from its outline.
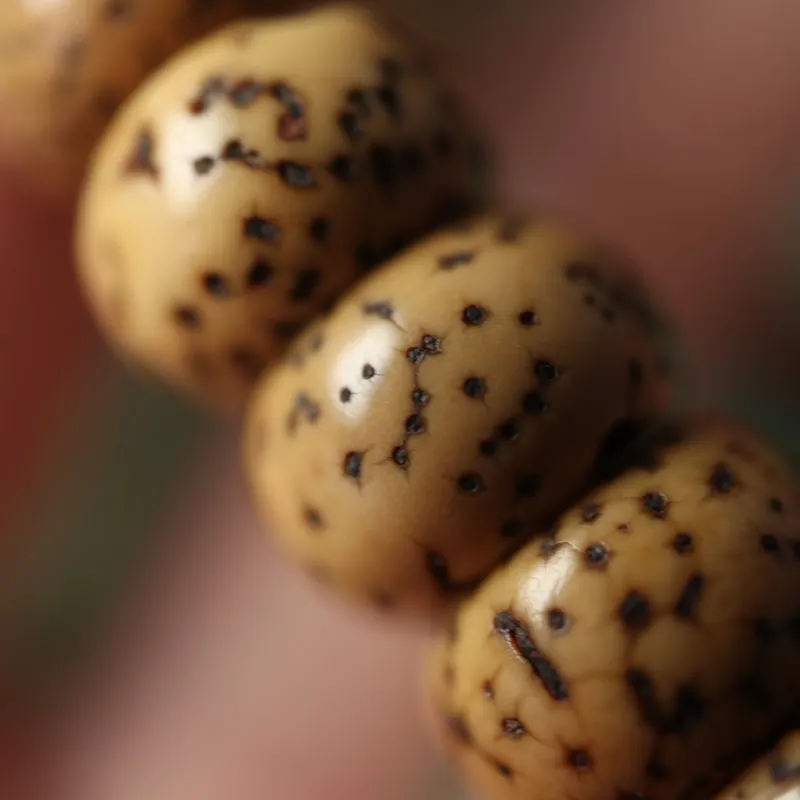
(153, 644)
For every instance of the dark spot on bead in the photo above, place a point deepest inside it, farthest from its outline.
(141, 159)
(305, 284)
(431, 344)
(763, 630)
(509, 430)
(459, 729)
(579, 759)
(590, 512)
(558, 620)
(722, 480)
(683, 543)
(512, 728)
(244, 93)
(344, 168)
(292, 125)
(389, 98)
(261, 229)
(527, 485)
(213, 87)
(319, 228)
(298, 176)
(216, 284)
(548, 547)
(528, 318)
(382, 310)
(640, 683)
(416, 355)
(401, 457)
(345, 395)
(312, 517)
(690, 708)
(261, 273)
(471, 483)
(502, 768)
(686, 605)
(488, 690)
(286, 95)
(534, 403)
(596, 555)
(203, 165)
(415, 425)
(657, 771)
(545, 371)
(384, 166)
(475, 388)
(458, 259)
(474, 315)
(488, 447)
(590, 300)
(350, 125)
(635, 372)
(634, 611)
(233, 150)
(352, 465)
(623, 527)
(420, 398)
(368, 372)
(246, 362)
(776, 505)
(656, 504)
(770, 544)
(187, 317)
(519, 639)
(608, 314)
(511, 528)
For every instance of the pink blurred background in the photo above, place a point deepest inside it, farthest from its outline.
(217, 671)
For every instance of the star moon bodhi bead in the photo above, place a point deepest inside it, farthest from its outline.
(67, 65)
(255, 177)
(450, 407)
(647, 650)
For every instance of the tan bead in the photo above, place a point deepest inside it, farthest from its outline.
(252, 180)
(451, 406)
(775, 776)
(67, 65)
(650, 646)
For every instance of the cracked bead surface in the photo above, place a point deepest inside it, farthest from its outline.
(253, 179)
(450, 406)
(650, 647)
(67, 65)
(775, 776)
